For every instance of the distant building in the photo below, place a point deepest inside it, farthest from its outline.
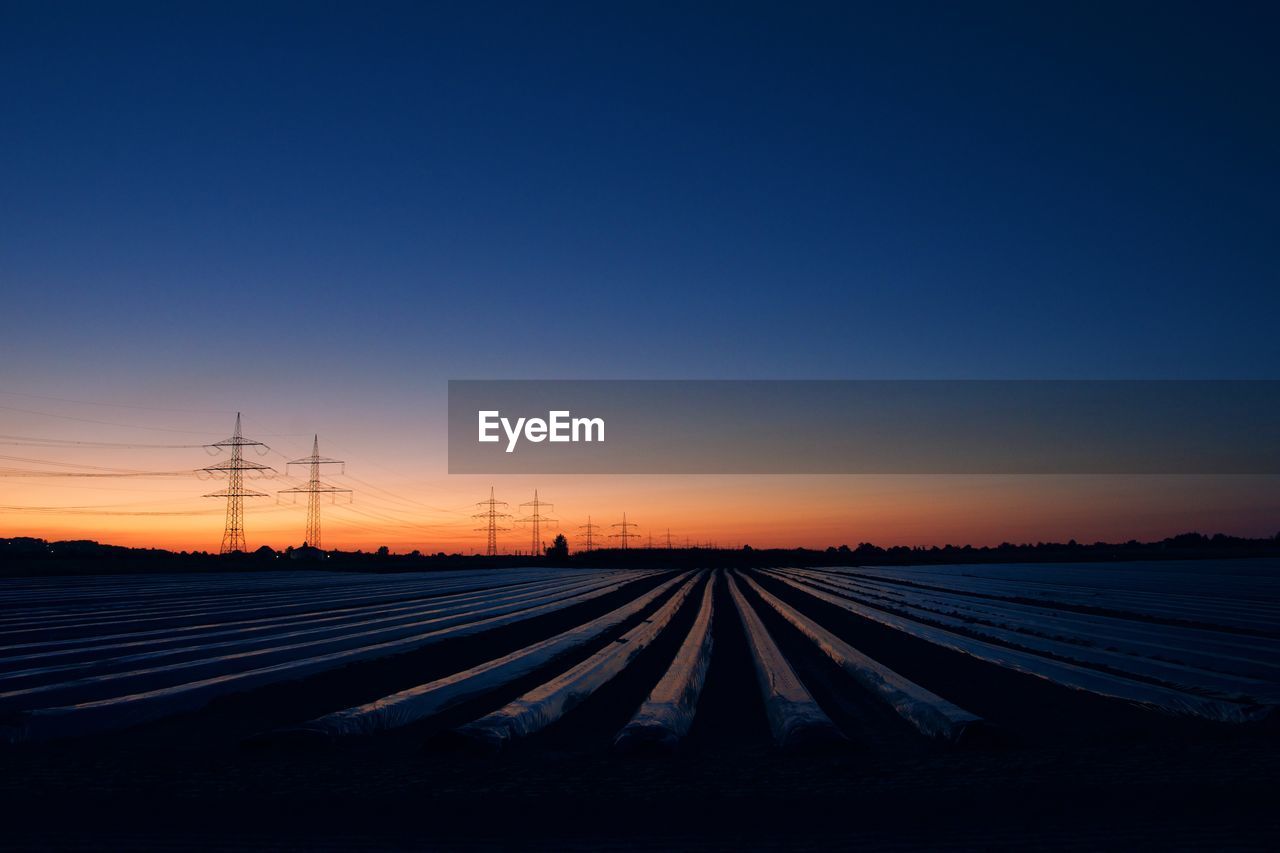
(306, 552)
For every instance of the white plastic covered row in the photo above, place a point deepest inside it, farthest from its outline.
(121, 711)
(59, 592)
(547, 703)
(1059, 672)
(665, 717)
(930, 714)
(128, 614)
(1244, 580)
(289, 644)
(795, 718)
(1206, 609)
(1235, 688)
(204, 624)
(417, 703)
(1218, 651)
(205, 648)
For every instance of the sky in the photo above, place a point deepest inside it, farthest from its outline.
(317, 214)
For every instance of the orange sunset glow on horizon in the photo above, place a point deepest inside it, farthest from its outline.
(132, 476)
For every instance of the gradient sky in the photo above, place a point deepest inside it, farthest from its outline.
(317, 214)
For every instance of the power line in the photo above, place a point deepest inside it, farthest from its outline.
(368, 487)
(28, 472)
(115, 405)
(235, 492)
(535, 519)
(126, 426)
(490, 514)
(384, 520)
(118, 504)
(64, 483)
(313, 489)
(103, 423)
(591, 529)
(56, 464)
(625, 533)
(35, 441)
(58, 510)
(462, 511)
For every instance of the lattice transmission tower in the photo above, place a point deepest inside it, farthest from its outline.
(314, 489)
(489, 512)
(535, 519)
(624, 534)
(591, 530)
(235, 492)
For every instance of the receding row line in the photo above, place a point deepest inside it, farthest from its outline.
(404, 615)
(1066, 674)
(121, 711)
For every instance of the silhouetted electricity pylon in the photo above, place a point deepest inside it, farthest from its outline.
(235, 492)
(625, 533)
(535, 519)
(490, 513)
(591, 529)
(668, 538)
(314, 489)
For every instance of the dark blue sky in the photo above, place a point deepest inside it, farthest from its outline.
(386, 195)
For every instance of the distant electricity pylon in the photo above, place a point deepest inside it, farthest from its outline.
(314, 489)
(535, 519)
(489, 512)
(625, 533)
(591, 529)
(668, 538)
(235, 492)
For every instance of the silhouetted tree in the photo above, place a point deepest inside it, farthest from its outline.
(559, 549)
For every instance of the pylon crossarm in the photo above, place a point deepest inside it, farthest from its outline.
(236, 442)
(238, 465)
(243, 493)
(303, 490)
(316, 460)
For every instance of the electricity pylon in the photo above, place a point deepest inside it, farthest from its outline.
(314, 489)
(490, 513)
(235, 492)
(535, 519)
(625, 533)
(591, 529)
(668, 538)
